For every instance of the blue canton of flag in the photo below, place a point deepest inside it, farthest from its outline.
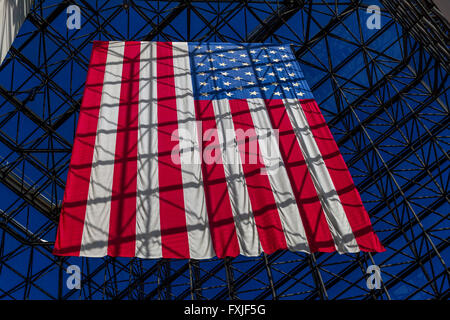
(245, 71)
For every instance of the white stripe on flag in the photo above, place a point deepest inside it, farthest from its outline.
(148, 228)
(291, 222)
(197, 225)
(96, 224)
(334, 212)
(244, 220)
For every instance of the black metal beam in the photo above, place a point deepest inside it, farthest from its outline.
(29, 193)
(419, 18)
(157, 29)
(275, 21)
(19, 232)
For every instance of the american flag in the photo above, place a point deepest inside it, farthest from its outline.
(161, 163)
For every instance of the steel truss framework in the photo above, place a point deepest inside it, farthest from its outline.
(384, 93)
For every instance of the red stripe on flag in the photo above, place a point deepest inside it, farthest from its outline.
(351, 201)
(313, 217)
(175, 243)
(122, 223)
(70, 229)
(220, 215)
(260, 192)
